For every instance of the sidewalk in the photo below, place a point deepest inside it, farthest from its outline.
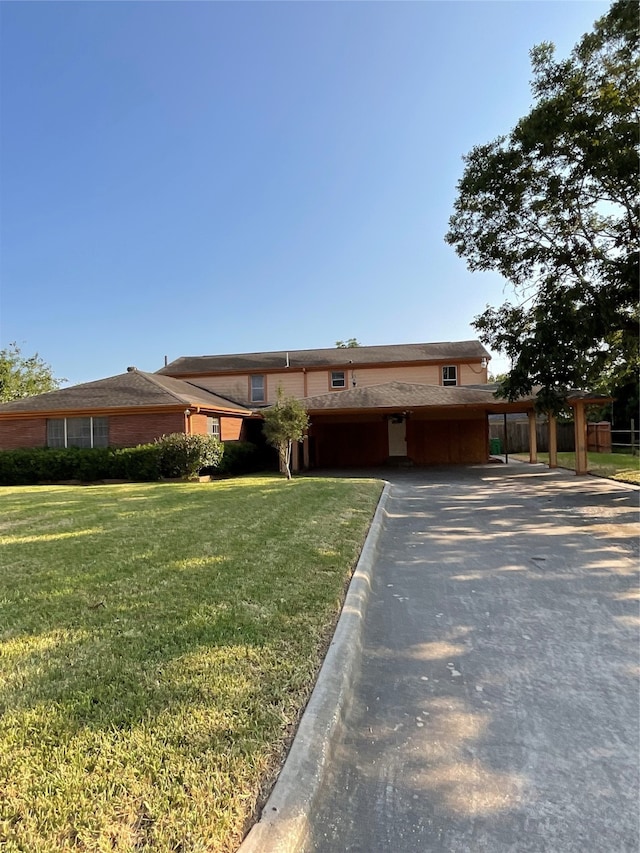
(496, 706)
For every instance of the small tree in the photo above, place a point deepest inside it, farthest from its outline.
(285, 422)
(24, 376)
(350, 343)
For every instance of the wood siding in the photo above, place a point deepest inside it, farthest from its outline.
(319, 381)
(448, 442)
(356, 442)
(237, 387)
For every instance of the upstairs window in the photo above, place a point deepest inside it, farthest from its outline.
(257, 389)
(213, 427)
(78, 432)
(450, 375)
(338, 379)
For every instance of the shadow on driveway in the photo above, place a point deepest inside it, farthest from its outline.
(497, 707)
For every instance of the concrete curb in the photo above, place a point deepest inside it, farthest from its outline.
(284, 824)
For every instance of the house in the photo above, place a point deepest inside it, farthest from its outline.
(120, 411)
(420, 404)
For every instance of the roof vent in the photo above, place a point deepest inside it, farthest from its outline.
(132, 369)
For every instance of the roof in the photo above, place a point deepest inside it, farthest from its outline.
(401, 395)
(134, 389)
(405, 395)
(335, 356)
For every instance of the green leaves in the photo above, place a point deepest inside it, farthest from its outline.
(285, 422)
(553, 208)
(24, 376)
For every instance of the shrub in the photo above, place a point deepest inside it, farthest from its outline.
(242, 457)
(43, 464)
(186, 455)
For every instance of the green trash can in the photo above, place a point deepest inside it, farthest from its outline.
(495, 447)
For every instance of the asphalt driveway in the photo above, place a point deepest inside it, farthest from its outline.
(497, 706)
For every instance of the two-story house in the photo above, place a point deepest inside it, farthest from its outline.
(368, 405)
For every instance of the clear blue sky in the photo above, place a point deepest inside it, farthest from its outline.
(188, 178)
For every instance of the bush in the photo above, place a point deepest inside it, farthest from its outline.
(43, 464)
(242, 457)
(186, 455)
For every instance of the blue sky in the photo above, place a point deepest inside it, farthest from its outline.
(188, 178)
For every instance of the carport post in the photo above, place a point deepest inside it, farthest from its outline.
(533, 445)
(506, 440)
(580, 431)
(553, 441)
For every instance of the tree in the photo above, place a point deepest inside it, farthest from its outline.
(348, 344)
(24, 376)
(553, 207)
(285, 422)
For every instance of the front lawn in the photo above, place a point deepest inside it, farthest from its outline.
(615, 466)
(157, 643)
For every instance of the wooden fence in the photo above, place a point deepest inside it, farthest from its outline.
(598, 436)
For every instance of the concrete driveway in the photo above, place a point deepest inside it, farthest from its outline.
(497, 706)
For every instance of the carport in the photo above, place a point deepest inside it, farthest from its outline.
(408, 424)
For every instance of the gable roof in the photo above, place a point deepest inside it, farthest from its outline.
(134, 389)
(331, 357)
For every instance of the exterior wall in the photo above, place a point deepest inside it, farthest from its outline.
(472, 374)
(23, 432)
(237, 387)
(129, 430)
(353, 442)
(448, 442)
(124, 430)
(231, 429)
(319, 381)
(363, 440)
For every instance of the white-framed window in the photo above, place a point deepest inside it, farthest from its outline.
(213, 426)
(338, 379)
(450, 375)
(257, 388)
(78, 432)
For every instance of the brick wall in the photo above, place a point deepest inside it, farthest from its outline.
(22, 432)
(129, 430)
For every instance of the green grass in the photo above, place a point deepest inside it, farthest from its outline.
(157, 644)
(615, 466)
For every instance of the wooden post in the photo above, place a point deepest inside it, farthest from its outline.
(295, 457)
(553, 441)
(533, 443)
(506, 440)
(580, 429)
(305, 452)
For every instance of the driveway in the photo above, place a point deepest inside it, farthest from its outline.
(497, 705)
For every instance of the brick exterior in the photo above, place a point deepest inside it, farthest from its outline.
(231, 429)
(129, 430)
(23, 432)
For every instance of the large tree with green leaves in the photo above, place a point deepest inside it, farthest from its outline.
(24, 376)
(553, 207)
(285, 422)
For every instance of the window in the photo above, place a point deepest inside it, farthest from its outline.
(338, 379)
(213, 427)
(450, 375)
(78, 432)
(257, 389)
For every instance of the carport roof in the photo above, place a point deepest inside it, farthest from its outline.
(405, 395)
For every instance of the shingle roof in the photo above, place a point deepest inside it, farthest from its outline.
(401, 395)
(309, 358)
(133, 389)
